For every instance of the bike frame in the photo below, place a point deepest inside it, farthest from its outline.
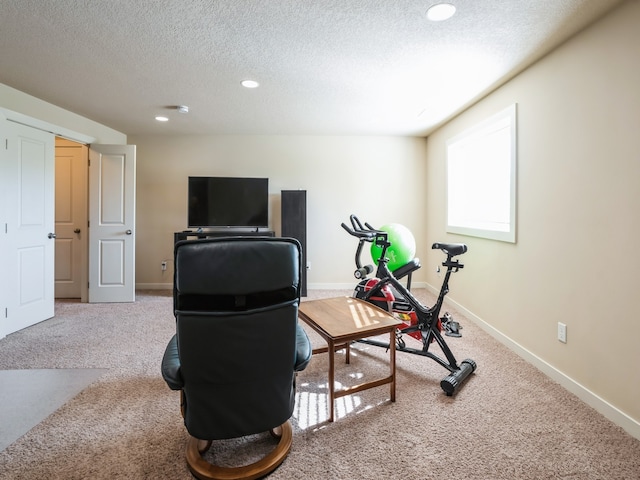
(427, 318)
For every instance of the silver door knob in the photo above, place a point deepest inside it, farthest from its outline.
(51, 235)
(128, 232)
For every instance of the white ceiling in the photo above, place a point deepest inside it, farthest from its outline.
(339, 67)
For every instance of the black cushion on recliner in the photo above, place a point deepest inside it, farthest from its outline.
(171, 360)
(171, 365)
(238, 342)
(240, 381)
(303, 349)
(242, 274)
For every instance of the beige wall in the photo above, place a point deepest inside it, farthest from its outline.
(576, 259)
(380, 179)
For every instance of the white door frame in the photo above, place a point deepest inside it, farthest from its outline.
(4, 243)
(46, 126)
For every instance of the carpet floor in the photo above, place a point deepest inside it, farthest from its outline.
(509, 421)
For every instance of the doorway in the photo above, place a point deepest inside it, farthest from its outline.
(71, 219)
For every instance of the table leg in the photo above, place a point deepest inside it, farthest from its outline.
(332, 353)
(392, 363)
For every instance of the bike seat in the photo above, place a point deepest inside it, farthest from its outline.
(451, 249)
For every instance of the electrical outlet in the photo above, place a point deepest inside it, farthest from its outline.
(163, 265)
(562, 332)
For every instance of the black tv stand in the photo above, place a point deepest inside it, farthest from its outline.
(195, 234)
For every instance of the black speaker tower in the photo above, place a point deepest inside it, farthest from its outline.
(294, 224)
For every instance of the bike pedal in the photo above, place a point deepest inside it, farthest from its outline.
(453, 329)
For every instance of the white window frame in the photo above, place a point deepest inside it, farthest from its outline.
(481, 179)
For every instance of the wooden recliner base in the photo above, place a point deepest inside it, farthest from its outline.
(204, 470)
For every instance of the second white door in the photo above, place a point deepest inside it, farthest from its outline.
(112, 182)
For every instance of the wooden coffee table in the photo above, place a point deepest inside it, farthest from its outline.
(342, 320)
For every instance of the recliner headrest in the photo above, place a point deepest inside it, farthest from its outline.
(236, 266)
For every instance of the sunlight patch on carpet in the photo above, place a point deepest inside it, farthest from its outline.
(312, 409)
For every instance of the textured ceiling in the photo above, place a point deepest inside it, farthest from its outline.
(344, 67)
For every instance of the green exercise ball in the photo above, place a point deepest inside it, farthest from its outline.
(402, 248)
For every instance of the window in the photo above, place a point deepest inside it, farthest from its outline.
(481, 179)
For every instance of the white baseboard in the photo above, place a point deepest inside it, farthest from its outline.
(609, 411)
(331, 286)
(311, 286)
(154, 286)
(350, 286)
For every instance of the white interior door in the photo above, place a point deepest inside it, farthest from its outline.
(4, 210)
(71, 265)
(29, 225)
(112, 183)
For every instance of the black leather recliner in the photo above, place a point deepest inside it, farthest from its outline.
(238, 345)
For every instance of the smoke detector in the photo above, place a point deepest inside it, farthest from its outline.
(182, 109)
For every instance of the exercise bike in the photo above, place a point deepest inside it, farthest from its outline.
(385, 290)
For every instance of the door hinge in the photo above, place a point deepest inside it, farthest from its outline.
(6, 144)
(6, 313)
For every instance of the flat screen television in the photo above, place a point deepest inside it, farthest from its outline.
(228, 202)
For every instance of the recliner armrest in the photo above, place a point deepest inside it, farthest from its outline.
(171, 365)
(303, 349)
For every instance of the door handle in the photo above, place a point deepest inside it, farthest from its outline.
(77, 230)
(51, 235)
(128, 232)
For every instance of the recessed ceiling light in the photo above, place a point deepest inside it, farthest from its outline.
(440, 12)
(160, 118)
(250, 84)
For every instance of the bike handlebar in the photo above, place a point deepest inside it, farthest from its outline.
(366, 234)
(357, 230)
(369, 234)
